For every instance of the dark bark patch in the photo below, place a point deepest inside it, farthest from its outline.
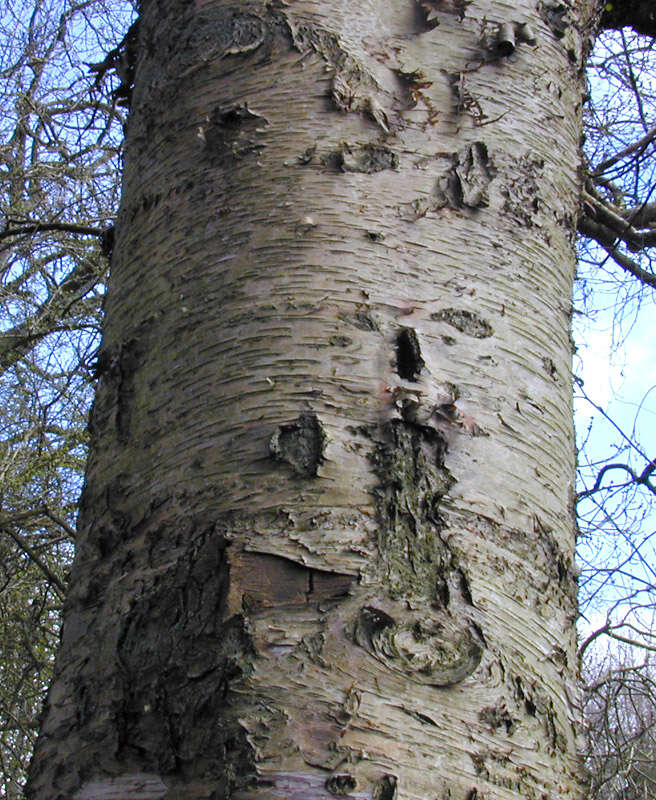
(440, 645)
(550, 368)
(385, 788)
(465, 99)
(521, 191)
(464, 587)
(366, 158)
(539, 705)
(560, 566)
(464, 321)
(300, 444)
(307, 155)
(340, 341)
(363, 320)
(233, 133)
(341, 784)
(423, 718)
(224, 31)
(466, 175)
(478, 759)
(313, 646)
(179, 652)
(413, 479)
(116, 392)
(409, 362)
(496, 716)
(529, 705)
(370, 624)
(431, 7)
(555, 14)
(474, 174)
(412, 86)
(353, 87)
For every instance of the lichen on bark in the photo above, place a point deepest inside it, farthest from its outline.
(421, 625)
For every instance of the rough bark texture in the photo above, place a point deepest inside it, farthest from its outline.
(327, 534)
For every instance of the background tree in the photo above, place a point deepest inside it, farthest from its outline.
(59, 167)
(616, 467)
(620, 711)
(616, 497)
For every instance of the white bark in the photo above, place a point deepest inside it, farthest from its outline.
(337, 367)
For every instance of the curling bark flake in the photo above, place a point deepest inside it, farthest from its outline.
(326, 538)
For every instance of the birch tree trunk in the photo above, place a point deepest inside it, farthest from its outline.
(327, 536)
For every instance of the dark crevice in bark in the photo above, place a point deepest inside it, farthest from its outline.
(300, 445)
(341, 784)
(116, 392)
(385, 788)
(409, 362)
(232, 133)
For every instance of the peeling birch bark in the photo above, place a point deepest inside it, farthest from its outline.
(327, 536)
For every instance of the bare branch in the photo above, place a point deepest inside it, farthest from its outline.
(637, 148)
(611, 225)
(40, 227)
(604, 237)
(60, 588)
(642, 479)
